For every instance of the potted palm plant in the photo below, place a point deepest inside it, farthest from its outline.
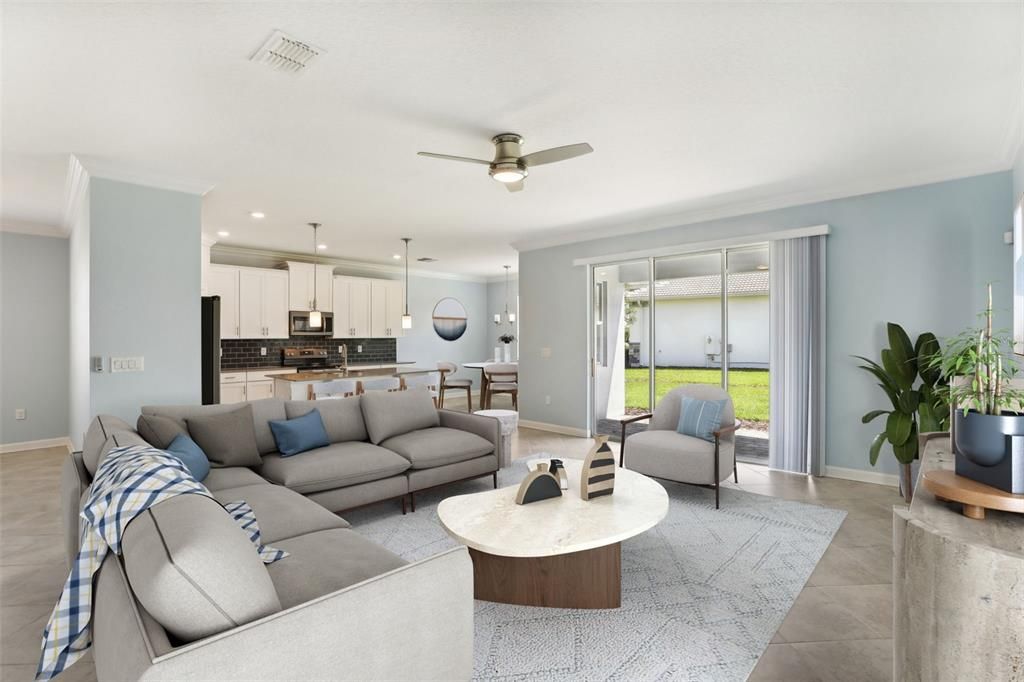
(987, 408)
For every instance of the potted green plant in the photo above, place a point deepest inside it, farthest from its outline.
(987, 407)
(916, 407)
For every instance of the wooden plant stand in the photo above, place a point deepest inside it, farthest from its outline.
(975, 497)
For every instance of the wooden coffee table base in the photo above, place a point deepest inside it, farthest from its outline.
(591, 579)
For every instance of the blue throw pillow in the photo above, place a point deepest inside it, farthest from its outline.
(191, 455)
(300, 434)
(700, 418)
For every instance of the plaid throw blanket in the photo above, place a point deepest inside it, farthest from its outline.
(129, 481)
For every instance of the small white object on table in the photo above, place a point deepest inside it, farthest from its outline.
(509, 420)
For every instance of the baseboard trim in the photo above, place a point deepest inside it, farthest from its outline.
(36, 445)
(863, 476)
(554, 428)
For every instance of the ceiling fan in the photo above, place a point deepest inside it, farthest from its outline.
(510, 166)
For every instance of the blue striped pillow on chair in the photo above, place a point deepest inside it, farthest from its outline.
(700, 418)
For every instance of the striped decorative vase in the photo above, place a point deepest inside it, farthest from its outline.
(598, 470)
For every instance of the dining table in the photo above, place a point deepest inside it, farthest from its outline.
(482, 366)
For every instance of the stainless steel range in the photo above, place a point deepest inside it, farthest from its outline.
(312, 359)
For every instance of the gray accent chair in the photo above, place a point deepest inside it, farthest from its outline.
(662, 452)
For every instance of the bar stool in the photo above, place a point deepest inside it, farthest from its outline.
(333, 390)
(502, 378)
(379, 384)
(456, 384)
(423, 382)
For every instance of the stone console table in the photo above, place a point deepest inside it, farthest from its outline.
(958, 588)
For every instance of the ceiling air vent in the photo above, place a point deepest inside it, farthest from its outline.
(427, 259)
(284, 53)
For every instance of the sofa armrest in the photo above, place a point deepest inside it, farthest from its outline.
(488, 428)
(74, 480)
(415, 622)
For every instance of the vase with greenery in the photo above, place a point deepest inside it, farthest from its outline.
(980, 363)
(917, 407)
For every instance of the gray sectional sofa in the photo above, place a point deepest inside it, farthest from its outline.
(188, 600)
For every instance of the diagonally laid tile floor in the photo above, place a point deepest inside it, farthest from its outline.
(840, 627)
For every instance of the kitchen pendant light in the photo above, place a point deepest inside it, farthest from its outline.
(316, 320)
(406, 317)
(508, 317)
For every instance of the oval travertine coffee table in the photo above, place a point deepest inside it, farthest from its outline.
(561, 552)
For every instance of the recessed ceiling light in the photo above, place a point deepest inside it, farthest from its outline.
(258, 215)
(397, 256)
(321, 246)
(223, 233)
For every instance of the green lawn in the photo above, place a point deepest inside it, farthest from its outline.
(748, 388)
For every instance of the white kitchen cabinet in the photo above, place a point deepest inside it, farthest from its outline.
(232, 393)
(223, 282)
(386, 307)
(301, 278)
(262, 303)
(258, 390)
(351, 297)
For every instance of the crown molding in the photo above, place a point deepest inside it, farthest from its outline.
(34, 229)
(601, 230)
(265, 257)
(112, 170)
(500, 279)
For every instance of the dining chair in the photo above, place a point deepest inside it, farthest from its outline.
(424, 382)
(380, 384)
(662, 452)
(502, 377)
(446, 369)
(333, 390)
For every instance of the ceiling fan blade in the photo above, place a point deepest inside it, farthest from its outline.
(569, 151)
(514, 186)
(449, 157)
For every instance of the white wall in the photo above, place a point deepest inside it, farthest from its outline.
(682, 326)
(33, 337)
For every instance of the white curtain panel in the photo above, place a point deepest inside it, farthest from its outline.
(797, 370)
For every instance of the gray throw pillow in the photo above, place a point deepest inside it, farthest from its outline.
(228, 439)
(158, 431)
(392, 414)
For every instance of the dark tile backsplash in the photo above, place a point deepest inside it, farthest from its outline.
(245, 353)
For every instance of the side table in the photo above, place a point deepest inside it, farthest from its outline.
(509, 420)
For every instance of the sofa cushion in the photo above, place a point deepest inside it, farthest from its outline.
(672, 456)
(96, 435)
(159, 431)
(194, 569)
(301, 434)
(343, 419)
(427, 448)
(390, 414)
(327, 561)
(232, 477)
(334, 466)
(280, 512)
(119, 439)
(191, 455)
(228, 439)
(262, 412)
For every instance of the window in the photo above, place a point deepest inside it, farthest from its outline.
(600, 323)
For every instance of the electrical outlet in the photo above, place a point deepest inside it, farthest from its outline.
(263, 351)
(339, 348)
(19, 413)
(547, 400)
(545, 352)
(359, 349)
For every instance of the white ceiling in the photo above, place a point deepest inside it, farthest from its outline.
(689, 107)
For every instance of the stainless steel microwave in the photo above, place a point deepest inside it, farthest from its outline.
(298, 324)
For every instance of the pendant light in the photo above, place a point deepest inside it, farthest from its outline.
(316, 320)
(406, 317)
(509, 317)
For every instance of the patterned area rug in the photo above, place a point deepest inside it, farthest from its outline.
(703, 592)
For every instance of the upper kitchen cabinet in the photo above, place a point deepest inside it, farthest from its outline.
(386, 307)
(263, 303)
(301, 278)
(351, 308)
(223, 281)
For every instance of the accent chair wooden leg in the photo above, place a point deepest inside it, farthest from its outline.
(622, 447)
(716, 473)
(469, 399)
(735, 475)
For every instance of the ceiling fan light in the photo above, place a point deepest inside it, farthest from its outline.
(508, 172)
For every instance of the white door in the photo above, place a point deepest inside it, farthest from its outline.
(396, 306)
(232, 393)
(359, 307)
(250, 304)
(324, 285)
(378, 308)
(223, 282)
(300, 285)
(275, 304)
(258, 390)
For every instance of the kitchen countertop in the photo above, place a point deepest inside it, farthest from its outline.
(354, 372)
(352, 365)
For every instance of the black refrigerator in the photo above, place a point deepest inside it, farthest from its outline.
(211, 350)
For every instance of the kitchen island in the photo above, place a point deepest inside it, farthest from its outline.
(296, 386)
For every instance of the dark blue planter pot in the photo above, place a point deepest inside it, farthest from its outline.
(989, 449)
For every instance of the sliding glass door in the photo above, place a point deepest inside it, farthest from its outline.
(693, 318)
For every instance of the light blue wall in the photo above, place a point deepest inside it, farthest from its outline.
(144, 295)
(918, 256)
(33, 337)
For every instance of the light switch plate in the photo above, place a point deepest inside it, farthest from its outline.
(19, 413)
(545, 352)
(263, 351)
(129, 364)
(359, 349)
